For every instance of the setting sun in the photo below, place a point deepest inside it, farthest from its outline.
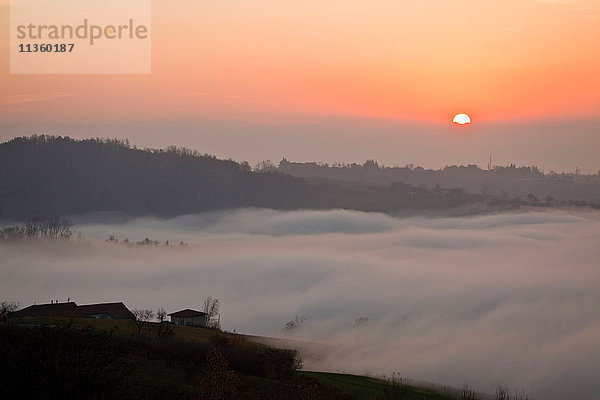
(461, 119)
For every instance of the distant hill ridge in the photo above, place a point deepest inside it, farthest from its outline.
(54, 175)
(506, 181)
(50, 175)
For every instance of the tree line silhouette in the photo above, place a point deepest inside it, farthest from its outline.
(54, 175)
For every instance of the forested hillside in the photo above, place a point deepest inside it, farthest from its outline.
(504, 181)
(48, 175)
(45, 175)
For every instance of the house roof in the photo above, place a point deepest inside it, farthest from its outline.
(70, 309)
(115, 310)
(187, 313)
(49, 310)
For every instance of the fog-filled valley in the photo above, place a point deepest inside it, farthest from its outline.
(493, 299)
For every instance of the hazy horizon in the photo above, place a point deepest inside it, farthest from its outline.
(341, 82)
(344, 139)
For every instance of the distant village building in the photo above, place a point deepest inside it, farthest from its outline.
(189, 317)
(72, 310)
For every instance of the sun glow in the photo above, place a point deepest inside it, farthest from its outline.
(461, 119)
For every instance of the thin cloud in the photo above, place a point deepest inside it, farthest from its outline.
(555, 1)
(512, 29)
(11, 99)
(213, 95)
(585, 6)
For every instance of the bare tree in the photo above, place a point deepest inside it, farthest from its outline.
(12, 233)
(48, 227)
(164, 328)
(502, 393)
(266, 166)
(161, 314)
(395, 388)
(142, 318)
(467, 392)
(211, 307)
(295, 324)
(520, 395)
(10, 306)
(39, 227)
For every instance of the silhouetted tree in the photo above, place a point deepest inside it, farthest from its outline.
(161, 314)
(295, 324)
(10, 306)
(265, 167)
(13, 233)
(142, 318)
(467, 392)
(48, 227)
(218, 382)
(394, 387)
(211, 307)
(501, 393)
(165, 329)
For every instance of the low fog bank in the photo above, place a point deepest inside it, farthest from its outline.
(510, 299)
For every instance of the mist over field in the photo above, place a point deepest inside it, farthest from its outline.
(508, 298)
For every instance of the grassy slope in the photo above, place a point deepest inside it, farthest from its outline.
(60, 358)
(364, 387)
(121, 326)
(360, 387)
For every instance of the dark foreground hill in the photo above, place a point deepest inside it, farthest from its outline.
(48, 175)
(69, 362)
(86, 358)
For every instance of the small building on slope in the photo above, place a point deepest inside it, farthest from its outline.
(189, 317)
(69, 309)
(107, 311)
(72, 310)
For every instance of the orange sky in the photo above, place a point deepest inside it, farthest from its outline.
(423, 60)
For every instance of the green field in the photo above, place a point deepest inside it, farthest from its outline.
(365, 388)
